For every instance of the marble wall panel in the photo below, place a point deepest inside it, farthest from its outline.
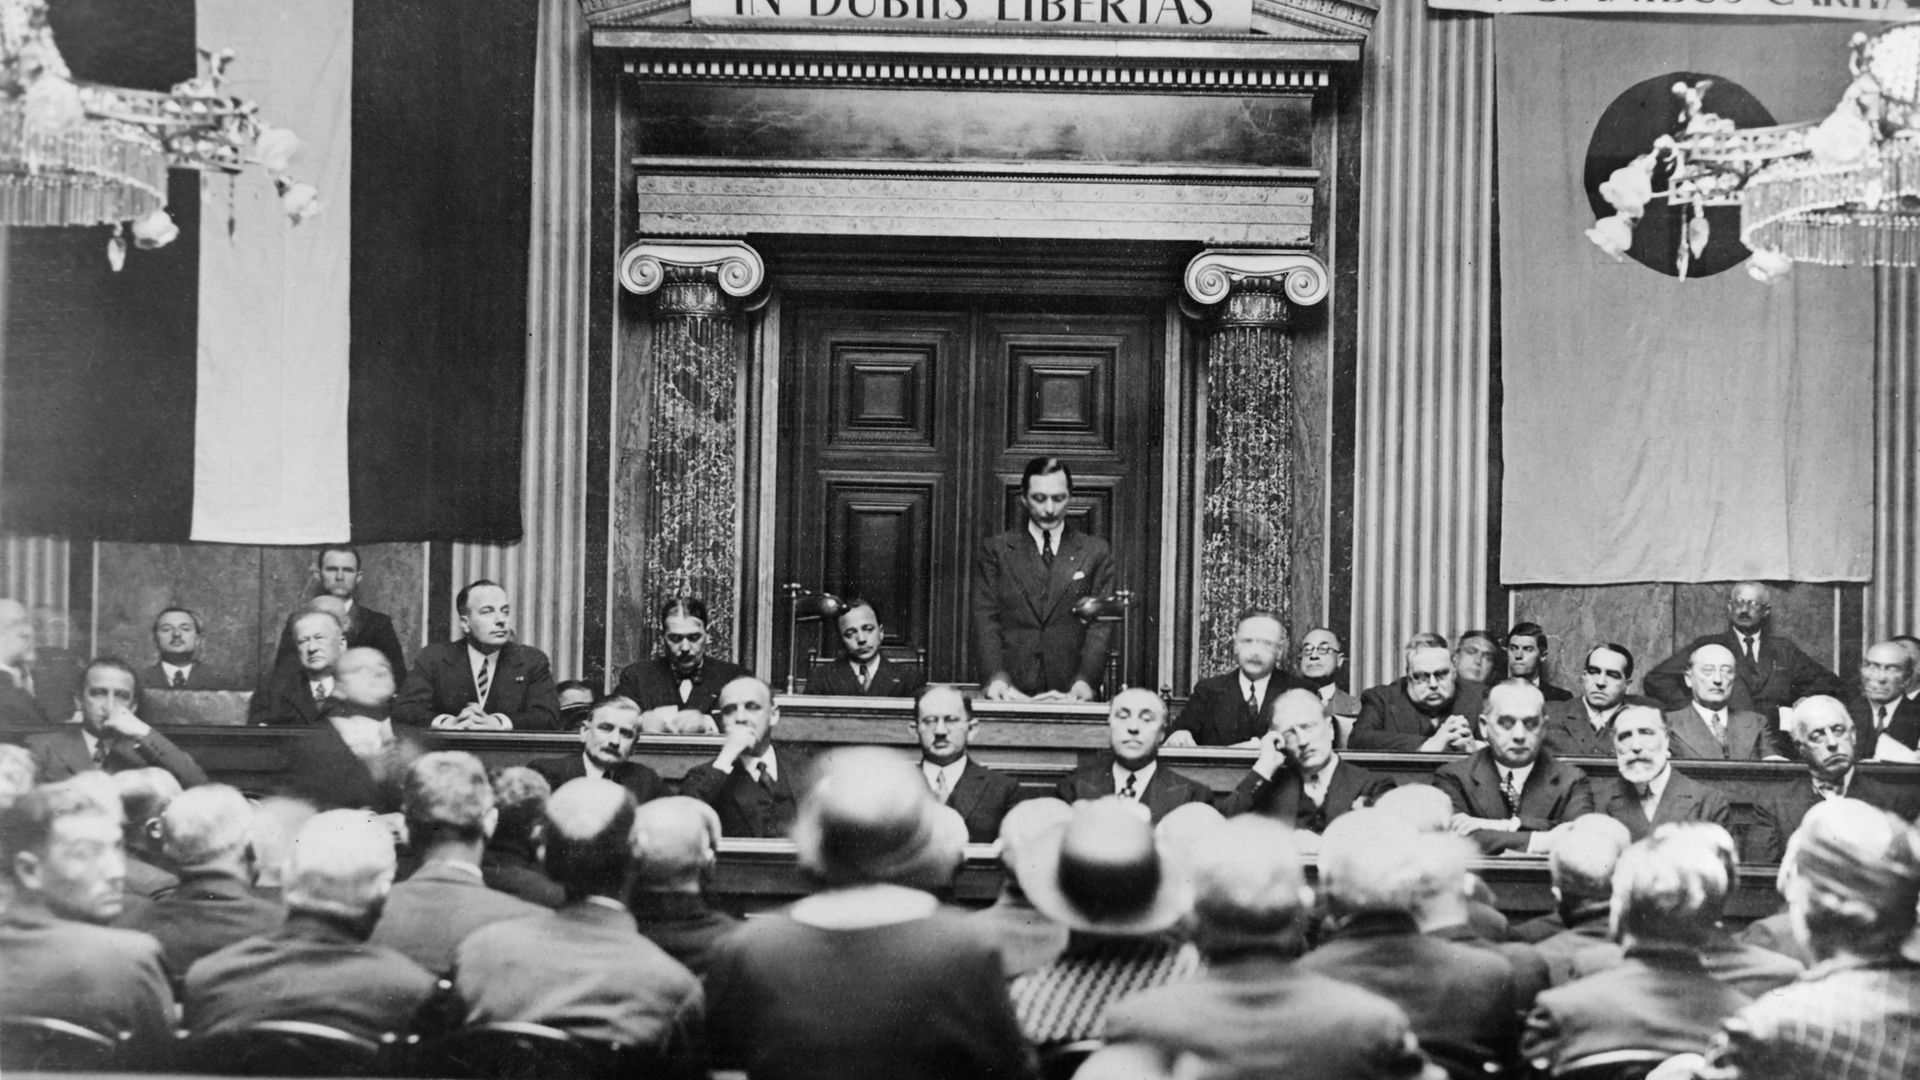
(630, 631)
(1639, 616)
(221, 582)
(1312, 404)
(1802, 612)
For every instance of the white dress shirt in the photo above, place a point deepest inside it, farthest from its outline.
(1039, 535)
(1142, 777)
(951, 771)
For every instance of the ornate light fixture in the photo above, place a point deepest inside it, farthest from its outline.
(1843, 191)
(75, 153)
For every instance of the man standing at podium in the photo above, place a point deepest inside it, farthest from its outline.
(1028, 643)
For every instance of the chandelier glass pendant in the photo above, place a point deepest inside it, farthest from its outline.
(74, 153)
(1843, 191)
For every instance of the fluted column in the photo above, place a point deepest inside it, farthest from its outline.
(1249, 301)
(688, 540)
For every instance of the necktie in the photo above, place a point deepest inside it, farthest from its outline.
(1316, 788)
(483, 679)
(100, 753)
(766, 776)
(1717, 723)
(1826, 790)
(1253, 702)
(1509, 792)
(686, 690)
(866, 676)
(1747, 643)
(940, 785)
(179, 678)
(1046, 548)
(1880, 717)
(1129, 791)
(319, 692)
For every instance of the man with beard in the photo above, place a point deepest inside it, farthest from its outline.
(1649, 791)
(1427, 711)
(1824, 733)
(943, 723)
(679, 690)
(606, 743)
(1583, 726)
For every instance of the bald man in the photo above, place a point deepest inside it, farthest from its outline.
(674, 845)
(1580, 866)
(1136, 726)
(294, 693)
(1823, 733)
(1710, 726)
(1771, 672)
(583, 968)
(1299, 778)
(207, 834)
(1887, 722)
(1510, 794)
(18, 707)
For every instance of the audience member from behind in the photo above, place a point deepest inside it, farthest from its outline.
(338, 575)
(1667, 893)
(1232, 708)
(16, 774)
(606, 747)
(318, 967)
(1851, 878)
(583, 968)
(1509, 795)
(18, 706)
(1254, 1013)
(512, 861)
(869, 976)
(1103, 875)
(1026, 938)
(1649, 791)
(943, 724)
(62, 844)
(1299, 779)
(294, 694)
(675, 841)
(354, 759)
(1460, 999)
(1428, 710)
(1428, 810)
(485, 681)
(207, 834)
(1823, 734)
(576, 699)
(1442, 909)
(1582, 726)
(145, 794)
(1585, 851)
(177, 638)
(1136, 726)
(109, 736)
(754, 785)
(448, 805)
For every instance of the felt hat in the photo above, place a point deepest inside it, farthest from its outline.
(1102, 871)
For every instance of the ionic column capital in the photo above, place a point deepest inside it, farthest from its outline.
(734, 267)
(1217, 273)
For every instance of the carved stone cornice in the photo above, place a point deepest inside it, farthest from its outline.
(1348, 20)
(729, 265)
(1251, 283)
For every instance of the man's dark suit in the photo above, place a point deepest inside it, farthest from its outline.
(1747, 736)
(1683, 800)
(1217, 713)
(635, 776)
(62, 752)
(890, 679)
(651, 683)
(1165, 791)
(104, 979)
(286, 700)
(200, 676)
(1554, 792)
(323, 771)
(441, 682)
(427, 916)
(1903, 726)
(682, 924)
(1569, 733)
(1657, 999)
(517, 873)
(206, 913)
(1777, 813)
(745, 807)
(17, 707)
(1783, 675)
(1023, 621)
(982, 798)
(310, 969)
(1389, 720)
(1283, 797)
(366, 628)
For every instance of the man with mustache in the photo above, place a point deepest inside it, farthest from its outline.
(1649, 791)
(943, 723)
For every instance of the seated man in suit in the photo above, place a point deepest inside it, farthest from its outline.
(62, 846)
(576, 698)
(1298, 777)
(863, 672)
(337, 568)
(675, 842)
(294, 693)
(1667, 897)
(486, 681)
(1476, 657)
(353, 758)
(754, 787)
(1229, 709)
(18, 707)
(511, 863)
(679, 690)
(606, 744)
(109, 736)
(1136, 724)
(1770, 672)
(207, 833)
(448, 804)
(1823, 732)
(583, 968)
(943, 724)
(1027, 641)
(1649, 791)
(1583, 726)
(318, 967)
(1527, 660)
(1888, 722)
(1318, 669)
(1429, 710)
(1509, 795)
(1585, 851)
(176, 636)
(1708, 726)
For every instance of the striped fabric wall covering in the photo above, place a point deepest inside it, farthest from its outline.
(33, 570)
(543, 572)
(1893, 598)
(1426, 237)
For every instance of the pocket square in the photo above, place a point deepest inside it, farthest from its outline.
(1078, 574)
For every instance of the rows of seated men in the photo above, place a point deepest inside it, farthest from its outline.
(1191, 947)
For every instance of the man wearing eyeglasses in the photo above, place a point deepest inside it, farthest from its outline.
(1709, 726)
(1770, 673)
(943, 724)
(1427, 711)
(1886, 721)
(1583, 727)
(1318, 670)
(1823, 732)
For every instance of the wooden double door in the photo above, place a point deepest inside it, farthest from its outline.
(905, 426)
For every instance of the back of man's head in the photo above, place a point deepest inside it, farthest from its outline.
(587, 831)
(1422, 807)
(145, 794)
(674, 840)
(207, 826)
(1249, 891)
(17, 772)
(1369, 861)
(1440, 880)
(447, 799)
(520, 796)
(1585, 851)
(1668, 890)
(341, 865)
(1851, 877)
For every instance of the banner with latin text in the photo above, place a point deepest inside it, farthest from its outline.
(1868, 10)
(1159, 16)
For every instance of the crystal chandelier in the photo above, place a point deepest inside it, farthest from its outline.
(75, 153)
(1843, 191)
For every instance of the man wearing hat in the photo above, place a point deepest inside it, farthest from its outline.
(1298, 778)
(870, 976)
(1136, 726)
(1026, 938)
(1851, 878)
(943, 723)
(1823, 734)
(1103, 875)
(752, 785)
